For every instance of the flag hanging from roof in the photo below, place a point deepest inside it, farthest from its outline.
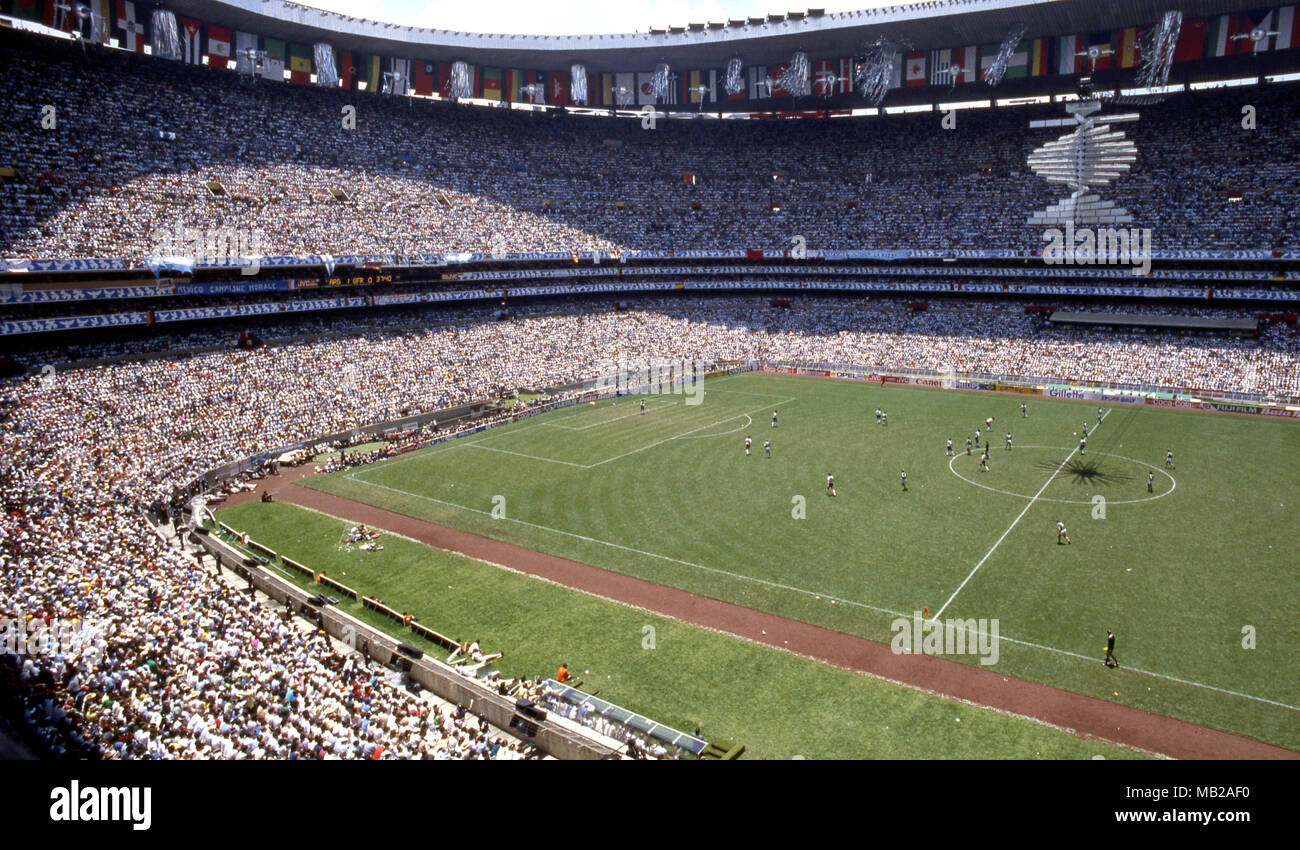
(191, 32)
(515, 82)
(1105, 52)
(375, 73)
(1288, 29)
(130, 25)
(988, 54)
(1191, 41)
(28, 9)
(1068, 48)
(942, 69)
(1248, 22)
(1218, 36)
(916, 69)
(347, 70)
(300, 64)
(557, 88)
(218, 46)
(1038, 57)
(273, 65)
(703, 87)
(1127, 47)
(1018, 63)
(245, 42)
(492, 83)
(425, 77)
(400, 81)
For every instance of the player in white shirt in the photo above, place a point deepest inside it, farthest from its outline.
(830, 484)
(950, 448)
(902, 474)
(773, 418)
(748, 443)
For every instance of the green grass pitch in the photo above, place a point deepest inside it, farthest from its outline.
(1181, 574)
(778, 705)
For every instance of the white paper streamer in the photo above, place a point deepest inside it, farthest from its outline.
(874, 68)
(994, 73)
(462, 80)
(1158, 45)
(659, 81)
(327, 73)
(578, 84)
(796, 79)
(735, 81)
(164, 39)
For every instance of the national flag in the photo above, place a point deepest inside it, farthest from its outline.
(1068, 48)
(191, 32)
(740, 95)
(896, 72)
(218, 46)
(425, 77)
(760, 85)
(244, 42)
(401, 76)
(1101, 41)
(300, 64)
(28, 9)
(1288, 29)
(624, 92)
(273, 66)
(347, 70)
(1127, 47)
(988, 54)
(1191, 41)
(706, 79)
(557, 83)
(1218, 35)
(916, 69)
(131, 27)
(537, 79)
(1248, 22)
(966, 60)
(514, 80)
(1038, 57)
(1018, 63)
(102, 23)
(942, 69)
(492, 84)
(775, 73)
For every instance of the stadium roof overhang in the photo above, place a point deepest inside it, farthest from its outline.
(767, 40)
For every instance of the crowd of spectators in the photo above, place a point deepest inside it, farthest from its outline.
(193, 667)
(422, 176)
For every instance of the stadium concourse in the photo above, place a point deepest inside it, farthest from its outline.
(194, 668)
(433, 177)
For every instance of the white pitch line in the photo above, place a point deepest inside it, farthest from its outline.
(531, 457)
(816, 594)
(657, 406)
(692, 431)
(1014, 523)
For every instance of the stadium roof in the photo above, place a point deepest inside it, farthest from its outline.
(760, 40)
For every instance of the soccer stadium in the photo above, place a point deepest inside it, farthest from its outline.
(913, 382)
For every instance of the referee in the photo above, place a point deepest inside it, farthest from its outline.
(1110, 660)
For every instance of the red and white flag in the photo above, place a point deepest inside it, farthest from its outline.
(132, 29)
(916, 69)
(218, 46)
(191, 40)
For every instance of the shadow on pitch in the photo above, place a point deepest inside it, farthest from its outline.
(1087, 470)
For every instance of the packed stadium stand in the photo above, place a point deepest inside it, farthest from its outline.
(423, 176)
(142, 147)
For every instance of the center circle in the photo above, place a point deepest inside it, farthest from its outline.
(1172, 482)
